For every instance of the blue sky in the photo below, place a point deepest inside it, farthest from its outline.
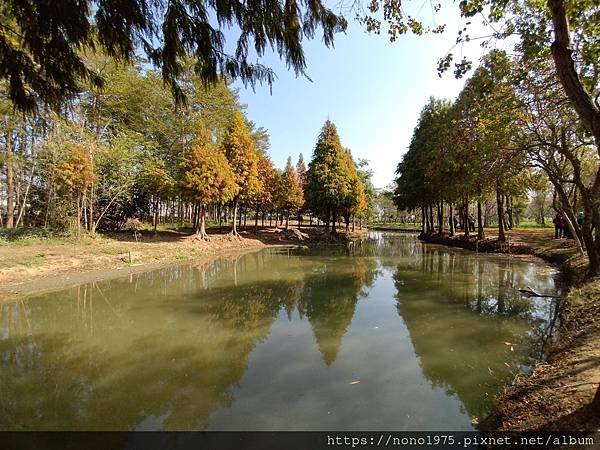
(370, 88)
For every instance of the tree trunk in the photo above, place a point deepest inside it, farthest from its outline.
(567, 74)
(155, 214)
(465, 210)
(79, 208)
(500, 206)
(92, 222)
(333, 220)
(256, 218)
(287, 219)
(480, 230)
(201, 226)
(596, 400)
(451, 219)
(235, 208)
(10, 183)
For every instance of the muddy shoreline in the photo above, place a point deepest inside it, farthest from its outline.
(49, 266)
(560, 394)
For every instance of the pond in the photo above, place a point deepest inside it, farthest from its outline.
(396, 335)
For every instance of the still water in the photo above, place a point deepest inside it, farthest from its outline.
(399, 335)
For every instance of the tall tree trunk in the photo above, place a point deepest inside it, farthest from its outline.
(201, 227)
(79, 208)
(91, 211)
(235, 208)
(582, 101)
(562, 54)
(155, 214)
(10, 182)
(509, 212)
(500, 206)
(465, 210)
(333, 220)
(480, 230)
(431, 222)
(287, 219)
(256, 218)
(451, 219)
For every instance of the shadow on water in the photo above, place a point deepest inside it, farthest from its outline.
(169, 348)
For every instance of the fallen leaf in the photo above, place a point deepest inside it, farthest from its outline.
(354, 382)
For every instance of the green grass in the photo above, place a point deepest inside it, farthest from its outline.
(395, 225)
(533, 224)
(32, 236)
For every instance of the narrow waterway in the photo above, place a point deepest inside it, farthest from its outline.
(395, 335)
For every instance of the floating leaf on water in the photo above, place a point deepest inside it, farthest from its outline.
(354, 382)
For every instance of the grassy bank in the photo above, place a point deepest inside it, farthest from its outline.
(560, 393)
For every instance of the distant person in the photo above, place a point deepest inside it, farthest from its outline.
(580, 218)
(471, 222)
(557, 226)
(566, 231)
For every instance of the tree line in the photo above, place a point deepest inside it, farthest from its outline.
(511, 130)
(130, 151)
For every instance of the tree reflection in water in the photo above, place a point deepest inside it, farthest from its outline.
(167, 349)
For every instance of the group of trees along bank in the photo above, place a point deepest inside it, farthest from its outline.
(129, 150)
(509, 131)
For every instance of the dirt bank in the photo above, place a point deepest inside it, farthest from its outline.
(36, 265)
(559, 394)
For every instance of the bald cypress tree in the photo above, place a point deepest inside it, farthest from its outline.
(328, 181)
(293, 197)
(239, 150)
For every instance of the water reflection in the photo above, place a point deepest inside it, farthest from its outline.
(190, 347)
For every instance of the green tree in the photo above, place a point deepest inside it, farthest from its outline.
(328, 181)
